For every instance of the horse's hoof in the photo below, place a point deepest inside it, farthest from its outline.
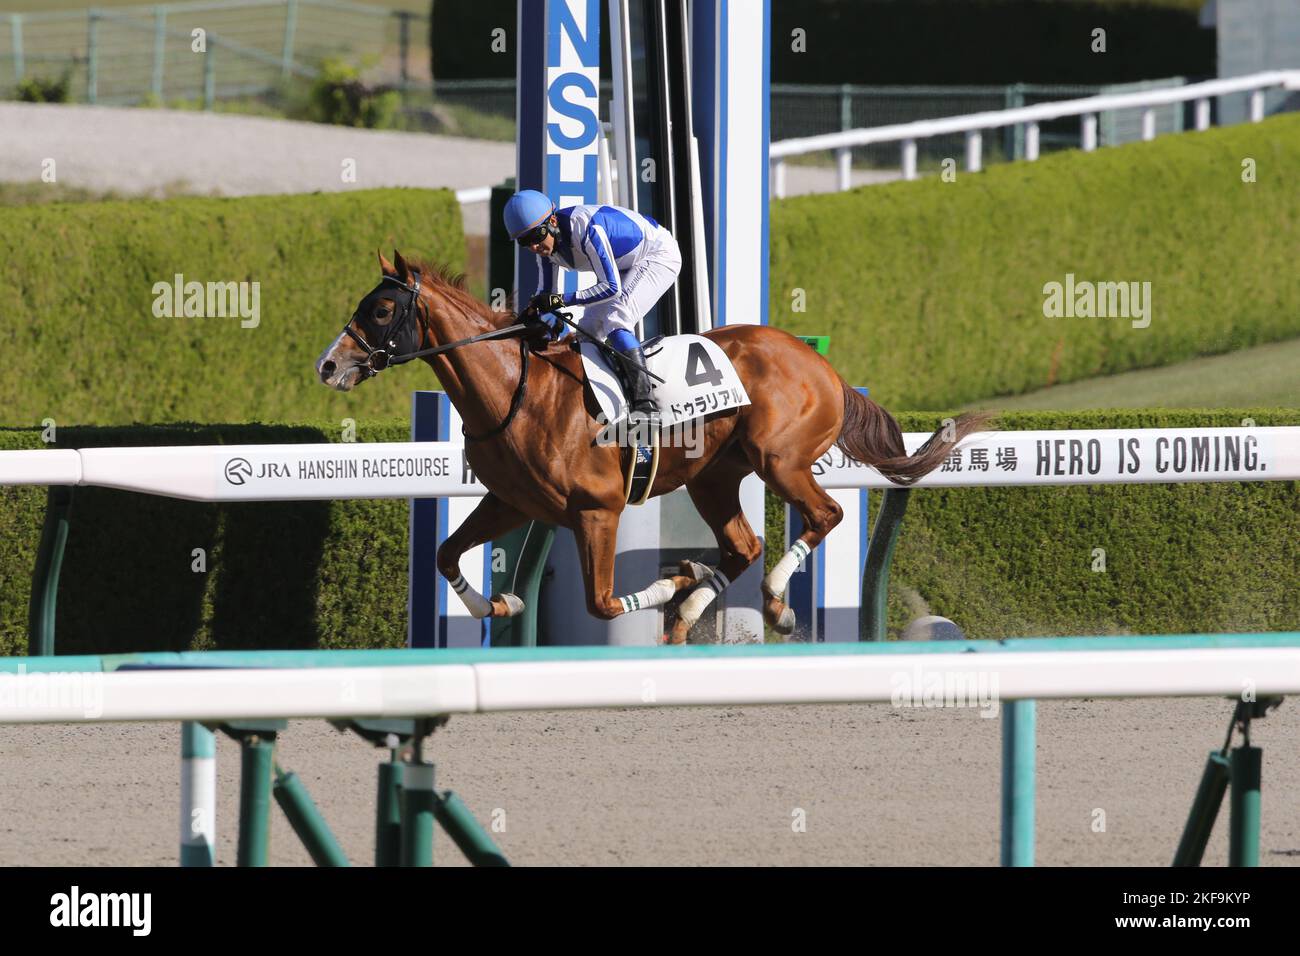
(785, 623)
(678, 633)
(694, 570)
(506, 605)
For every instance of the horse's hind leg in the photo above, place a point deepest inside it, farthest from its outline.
(716, 494)
(820, 513)
(491, 518)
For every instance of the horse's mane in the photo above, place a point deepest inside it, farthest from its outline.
(452, 284)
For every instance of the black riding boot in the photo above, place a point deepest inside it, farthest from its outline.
(638, 387)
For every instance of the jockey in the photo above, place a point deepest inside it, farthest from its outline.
(635, 261)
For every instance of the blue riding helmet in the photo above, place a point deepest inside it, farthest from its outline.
(525, 210)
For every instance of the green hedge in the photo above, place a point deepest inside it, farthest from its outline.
(279, 574)
(1017, 562)
(1180, 558)
(928, 42)
(932, 291)
(83, 345)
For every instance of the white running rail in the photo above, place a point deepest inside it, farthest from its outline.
(974, 124)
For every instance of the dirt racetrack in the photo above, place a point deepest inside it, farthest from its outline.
(877, 785)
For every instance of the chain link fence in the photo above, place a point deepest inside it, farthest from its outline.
(128, 55)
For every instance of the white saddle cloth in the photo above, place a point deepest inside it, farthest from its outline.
(698, 380)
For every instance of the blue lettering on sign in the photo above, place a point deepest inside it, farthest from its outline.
(578, 21)
(585, 187)
(577, 111)
(586, 44)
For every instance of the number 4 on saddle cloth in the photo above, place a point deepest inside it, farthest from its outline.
(697, 380)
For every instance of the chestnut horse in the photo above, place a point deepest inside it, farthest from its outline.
(532, 440)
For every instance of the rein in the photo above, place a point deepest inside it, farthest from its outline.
(379, 359)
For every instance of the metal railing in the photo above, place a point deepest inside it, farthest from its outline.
(1027, 118)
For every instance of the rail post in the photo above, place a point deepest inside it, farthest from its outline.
(909, 159)
(92, 56)
(388, 812)
(418, 801)
(198, 795)
(1018, 782)
(209, 75)
(404, 46)
(16, 34)
(1243, 820)
(257, 764)
(290, 27)
(43, 604)
(466, 832)
(1205, 808)
(880, 552)
(306, 820)
(974, 150)
(159, 51)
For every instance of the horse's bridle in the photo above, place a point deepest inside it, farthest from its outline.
(379, 359)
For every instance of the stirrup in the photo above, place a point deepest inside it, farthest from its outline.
(642, 466)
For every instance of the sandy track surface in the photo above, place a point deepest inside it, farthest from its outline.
(878, 785)
(159, 152)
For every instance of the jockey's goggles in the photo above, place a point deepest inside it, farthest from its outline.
(535, 235)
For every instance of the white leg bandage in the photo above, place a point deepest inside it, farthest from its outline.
(478, 605)
(702, 597)
(775, 583)
(660, 592)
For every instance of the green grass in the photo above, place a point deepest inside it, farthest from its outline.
(1266, 375)
(933, 292)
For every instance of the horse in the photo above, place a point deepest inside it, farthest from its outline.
(532, 436)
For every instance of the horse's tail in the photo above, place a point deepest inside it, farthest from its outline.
(871, 436)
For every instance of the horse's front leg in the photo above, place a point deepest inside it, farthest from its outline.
(595, 533)
(491, 518)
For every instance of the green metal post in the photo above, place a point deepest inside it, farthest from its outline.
(159, 50)
(257, 762)
(92, 56)
(1014, 135)
(209, 75)
(1243, 821)
(43, 603)
(290, 25)
(404, 46)
(388, 813)
(466, 832)
(418, 801)
(1205, 808)
(1018, 741)
(526, 549)
(306, 820)
(875, 574)
(16, 32)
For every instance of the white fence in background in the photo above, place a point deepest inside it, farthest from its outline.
(1030, 117)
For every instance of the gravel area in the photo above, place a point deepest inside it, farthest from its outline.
(164, 152)
(707, 786)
